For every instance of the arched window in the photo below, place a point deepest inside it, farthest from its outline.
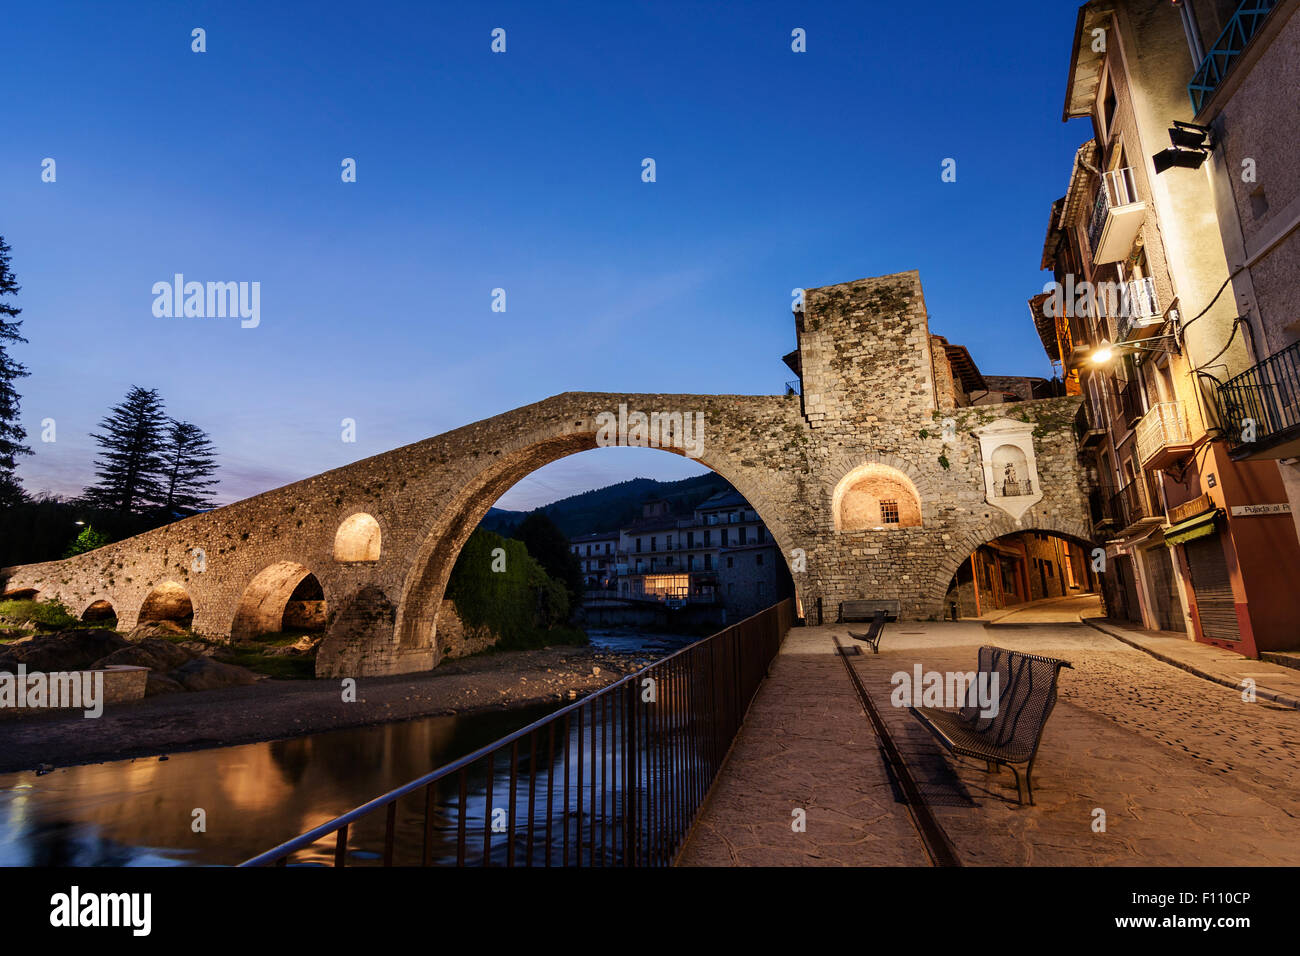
(875, 497)
(357, 539)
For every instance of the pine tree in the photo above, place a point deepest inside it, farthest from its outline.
(131, 465)
(189, 462)
(12, 433)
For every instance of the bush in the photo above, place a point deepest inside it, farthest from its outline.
(518, 601)
(51, 615)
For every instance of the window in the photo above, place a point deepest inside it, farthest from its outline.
(724, 537)
(708, 562)
(889, 511)
(708, 537)
(654, 544)
(730, 561)
(741, 533)
(690, 539)
(638, 545)
(758, 559)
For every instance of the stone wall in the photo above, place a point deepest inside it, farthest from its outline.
(457, 640)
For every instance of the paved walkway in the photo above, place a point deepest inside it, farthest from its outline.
(1186, 772)
(1070, 609)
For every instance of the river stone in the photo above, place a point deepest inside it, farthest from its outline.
(203, 673)
(70, 650)
(152, 652)
(156, 629)
(161, 684)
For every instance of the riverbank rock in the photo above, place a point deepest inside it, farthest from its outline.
(154, 653)
(161, 684)
(156, 629)
(204, 673)
(70, 650)
(221, 652)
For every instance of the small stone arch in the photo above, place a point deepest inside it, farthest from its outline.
(358, 538)
(265, 601)
(100, 610)
(169, 601)
(877, 497)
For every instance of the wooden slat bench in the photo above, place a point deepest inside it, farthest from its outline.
(865, 610)
(1026, 696)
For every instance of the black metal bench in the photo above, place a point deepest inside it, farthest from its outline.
(872, 637)
(865, 610)
(1026, 696)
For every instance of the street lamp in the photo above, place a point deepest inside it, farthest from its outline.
(1106, 351)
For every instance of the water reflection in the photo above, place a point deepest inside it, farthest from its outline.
(254, 796)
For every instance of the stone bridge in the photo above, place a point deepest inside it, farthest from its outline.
(874, 482)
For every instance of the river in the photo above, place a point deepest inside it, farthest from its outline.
(226, 804)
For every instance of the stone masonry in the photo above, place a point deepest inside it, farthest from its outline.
(869, 396)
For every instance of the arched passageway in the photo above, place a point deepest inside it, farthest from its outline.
(99, 612)
(169, 601)
(283, 596)
(1018, 569)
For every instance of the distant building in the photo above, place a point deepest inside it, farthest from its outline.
(720, 553)
(596, 557)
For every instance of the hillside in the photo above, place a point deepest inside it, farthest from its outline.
(611, 507)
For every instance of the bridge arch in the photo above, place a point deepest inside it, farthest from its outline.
(414, 611)
(996, 526)
(168, 601)
(100, 608)
(265, 598)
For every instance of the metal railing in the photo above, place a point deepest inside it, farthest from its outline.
(615, 779)
(1232, 42)
(1139, 500)
(1011, 488)
(1101, 506)
(1162, 426)
(1118, 188)
(1262, 401)
(1139, 307)
(1087, 429)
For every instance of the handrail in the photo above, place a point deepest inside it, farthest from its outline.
(675, 793)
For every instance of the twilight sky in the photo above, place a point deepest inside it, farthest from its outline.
(520, 171)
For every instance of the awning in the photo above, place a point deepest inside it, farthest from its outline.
(1202, 526)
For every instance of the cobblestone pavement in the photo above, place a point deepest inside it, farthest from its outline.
(1186, 772)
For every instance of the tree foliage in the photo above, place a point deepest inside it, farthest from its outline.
(189, 461)
(12, 434)
(130, 465)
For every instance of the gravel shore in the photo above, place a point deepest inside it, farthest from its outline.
(273, 709)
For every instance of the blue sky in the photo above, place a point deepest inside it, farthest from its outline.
(520, 171)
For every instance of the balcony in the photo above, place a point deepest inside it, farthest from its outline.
(1101, 506)
(1227, 49)
(1137, 505)
(1162, 436)
(1088, 432)
(1126, 411)
(1116, 217)
(1140, 314)
(1260, 408)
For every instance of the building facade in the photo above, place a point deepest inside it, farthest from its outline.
(1149, 319)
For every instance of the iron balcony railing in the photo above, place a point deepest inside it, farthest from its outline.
(1139, 307)
(1164, 425)
(1101, 506)
(615, 779)
(1118, 188)
(1232, 42)
(1088, 431)
(1137, 501)
(1261, 403)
